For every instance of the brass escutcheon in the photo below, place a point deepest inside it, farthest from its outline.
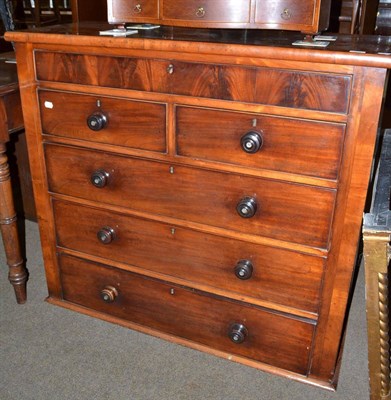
(286, 14)
(200, 12)
(170, 69)
(137, 9)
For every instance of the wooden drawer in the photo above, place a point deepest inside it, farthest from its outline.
(231, 11)
(133, 10)
(289, 145)
(193, 256)
(285, 12)
(285, 88)
(272, 338)
(126, 123)
(285, 211)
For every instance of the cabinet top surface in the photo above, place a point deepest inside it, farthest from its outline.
(374, 51)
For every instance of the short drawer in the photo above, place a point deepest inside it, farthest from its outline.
(102, 119)
(133, 10)
(277, 87)
(285, 12)
(255, 271)
(260, 141)
(267, 337)
(280, 210)
(229, 11)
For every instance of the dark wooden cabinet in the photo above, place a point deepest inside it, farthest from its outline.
(310, 16)
(209, 192)
(89, 10)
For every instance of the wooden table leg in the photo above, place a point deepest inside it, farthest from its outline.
(376, 258)
(8, 225)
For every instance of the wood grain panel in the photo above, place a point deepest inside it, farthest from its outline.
(326, 92)
(289, 145)
(285, 12)
(217, 10)
(133, 10)
(133, 124)
(273, 339)
(291, 212)
(303, 90)
(196, 257)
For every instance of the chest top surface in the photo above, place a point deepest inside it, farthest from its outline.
(359, 50)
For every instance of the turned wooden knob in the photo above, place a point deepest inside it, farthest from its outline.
(247, 207)
(100, 178)
(244, 269)
(109, 294)
(106, 235)
(237, 333)
(251, 142)
(97, 121)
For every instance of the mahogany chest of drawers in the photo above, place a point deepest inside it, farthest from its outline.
(207, 190)
(310, 16)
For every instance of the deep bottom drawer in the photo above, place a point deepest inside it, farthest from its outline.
(270, 338)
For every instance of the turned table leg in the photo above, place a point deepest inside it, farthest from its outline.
(9, 231)
(376, 257)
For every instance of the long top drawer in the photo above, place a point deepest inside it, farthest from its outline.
(289, 88)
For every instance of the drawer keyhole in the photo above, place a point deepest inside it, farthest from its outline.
(170, 69)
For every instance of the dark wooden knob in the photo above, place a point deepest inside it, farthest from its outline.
(244, 269)
(106, 235)
(109, 294)
(237, 333)
(100, 178)
(97, 121)
(247, 207)
(251, 142)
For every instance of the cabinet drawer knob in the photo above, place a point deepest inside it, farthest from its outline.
(109, 294)
(247, 207)
(106, 235)
(244, 269)
(237, 333)
(137, 8)
(286, 14)
(200, 13)
(100, 178)
(251, 142)
(97, 121)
